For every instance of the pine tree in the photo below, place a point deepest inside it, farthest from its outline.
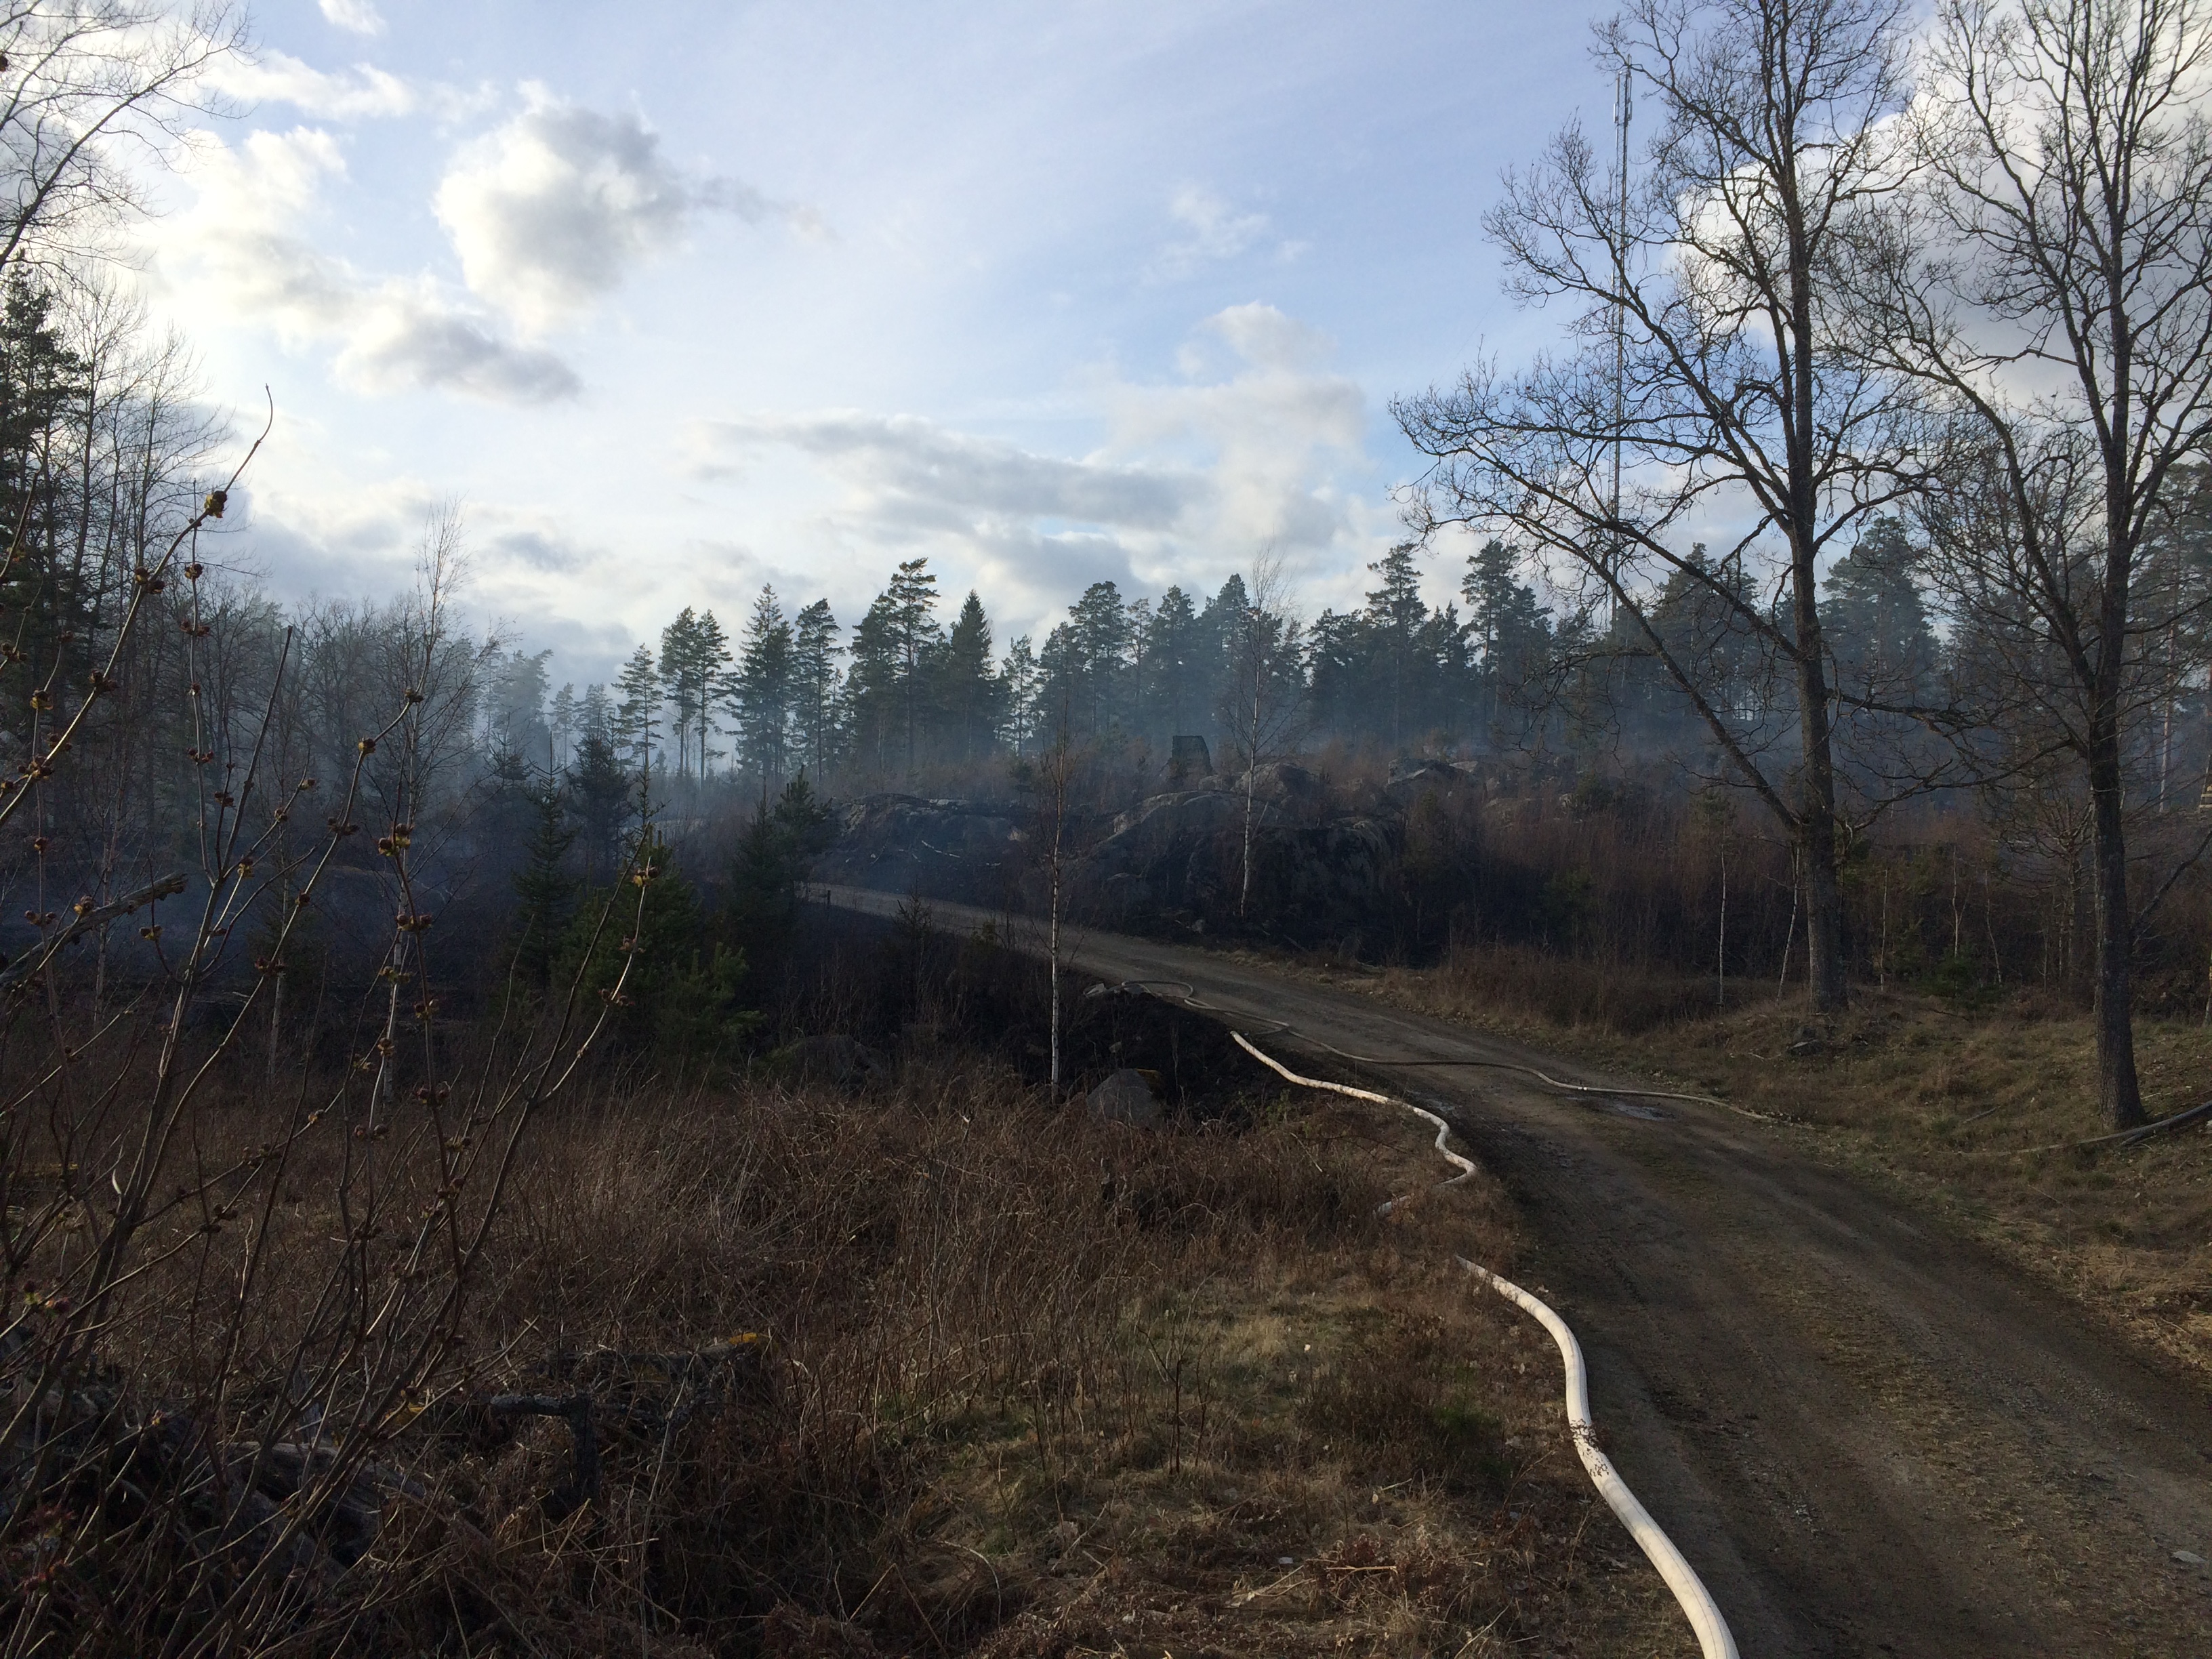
(546, 892)
(514, 707)
(1694, 615)
(595, 715)
(1876, 617)
(1508, 628)
(1339, 653)
(1220, 625)
(674, 670)
(46, 597)
(1020, 683)
(693, 657)
(969, 696)
(1875, 622)
(561, 724)
(600, 793)
(1099, 660)
(1395, 624)
(1135, 710)
(1171, 668)
(637, 716)
(712, 671)
(761, 690)
(871, 688)
(774, 853)
(887, 692)
(814, 653)
(914, 637)
(681, 995)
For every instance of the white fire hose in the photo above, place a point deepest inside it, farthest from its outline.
(1697, 1604)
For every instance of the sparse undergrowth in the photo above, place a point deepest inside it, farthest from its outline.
(1945, 1100)
(941, 1368)
(1038, 1386)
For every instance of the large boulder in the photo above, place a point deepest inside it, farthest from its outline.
(1125, 1096)
(1168, 854)
(1325, 876)
(1410, 779)
(1163, 821)
(948, 849)
(1284, 782)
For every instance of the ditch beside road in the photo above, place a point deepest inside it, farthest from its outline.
(1869, 1435)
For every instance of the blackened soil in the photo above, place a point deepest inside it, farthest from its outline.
(941, 978)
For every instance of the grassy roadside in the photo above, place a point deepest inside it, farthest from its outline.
(1943, 1103)
(1368, 1456)
(937, 1367)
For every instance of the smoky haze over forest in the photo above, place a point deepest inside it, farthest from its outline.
(1786, 593)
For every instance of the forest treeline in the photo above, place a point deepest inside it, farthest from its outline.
(1910, 638)
(521, 796)
(1501, 671)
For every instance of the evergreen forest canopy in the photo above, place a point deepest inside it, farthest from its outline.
(1499, 672)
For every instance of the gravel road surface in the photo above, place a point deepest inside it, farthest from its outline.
(1868, 1435)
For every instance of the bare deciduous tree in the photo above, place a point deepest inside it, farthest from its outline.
(1716, 286)
(2050, 276)
(91, 88)
(1263, 699)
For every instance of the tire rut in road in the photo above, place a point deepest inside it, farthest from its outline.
(1881, 1434)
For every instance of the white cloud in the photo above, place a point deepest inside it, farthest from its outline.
(1276, 432)
(239, 252)
(915, 471)
(361, 93)
(1264, 337)
(402, 334)
(545, 551)
(1215, 232)
(276, 77)
(355, 16)
(549, 211)
(1263, 447)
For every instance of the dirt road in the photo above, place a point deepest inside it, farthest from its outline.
(1868, 1435)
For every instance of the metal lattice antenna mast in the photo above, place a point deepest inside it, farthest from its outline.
(1621, 104)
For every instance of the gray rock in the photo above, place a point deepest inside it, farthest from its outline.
(1126, 1097)
(2189, 1557)
(1410, 779)
(1278, 780)
(936, 848)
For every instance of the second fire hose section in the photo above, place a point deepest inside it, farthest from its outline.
(1698, 1604)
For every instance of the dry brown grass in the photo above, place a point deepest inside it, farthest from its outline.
(1940, 1099)
(1567, 991)
(1035, 1386)
(990, 1379)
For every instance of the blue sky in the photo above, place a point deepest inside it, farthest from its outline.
(681, 299)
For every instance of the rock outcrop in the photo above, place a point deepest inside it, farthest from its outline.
(1320, 862)
(1125, 1096)
(949, 849)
